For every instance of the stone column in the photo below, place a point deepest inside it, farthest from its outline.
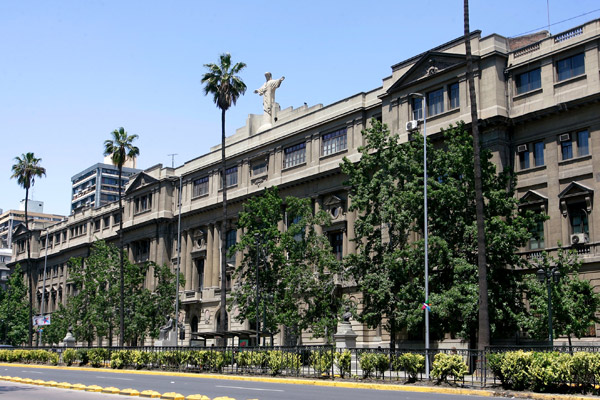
(208, 272)
(216, 264)
(318, 228)
(184, 256)
(188, 260)
(350, 219)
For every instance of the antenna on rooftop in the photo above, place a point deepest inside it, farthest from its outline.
(548, 10)
(172, 159)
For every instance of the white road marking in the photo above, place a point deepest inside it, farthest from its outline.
(33, 372)
(119, 379)
(249, 388)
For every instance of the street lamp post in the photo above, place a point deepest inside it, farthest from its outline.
(425, 229)
(547, 275)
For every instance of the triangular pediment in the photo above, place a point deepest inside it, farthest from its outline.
(332, 201)
(142, 179)
(20, 229)
(430, 64)
(532, 197)
(575, 189)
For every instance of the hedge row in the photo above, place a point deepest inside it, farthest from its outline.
(29, 356)
(547, 371)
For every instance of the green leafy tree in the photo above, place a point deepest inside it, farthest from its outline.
(120, 148)
(59, 324)
(385, 187)
(14, 309)
(455, 242)
(25, 170)
(296, 266)
(223, 83)
(574, 302)
(163, 296)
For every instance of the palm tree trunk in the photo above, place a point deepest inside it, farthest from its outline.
(484, 319)
(121, 283)
(224, 227)
(28, 236)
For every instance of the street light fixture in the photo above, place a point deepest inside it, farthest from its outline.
(549, 275)
(425, 229)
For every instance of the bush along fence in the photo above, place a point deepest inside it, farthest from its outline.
(551, 371)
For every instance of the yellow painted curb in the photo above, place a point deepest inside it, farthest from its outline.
(93, 388)
(223, 398)
(51, 383)
(172, 396)
(39, 382)
(63, 385)
(16, 379)
(129, 392)
(78, 386)
(111, 389)
(151, 394)
(27, 380)
(197, 397)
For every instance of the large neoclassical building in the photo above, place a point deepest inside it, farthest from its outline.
(539, 108)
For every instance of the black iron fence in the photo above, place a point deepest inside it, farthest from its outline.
(464, 367)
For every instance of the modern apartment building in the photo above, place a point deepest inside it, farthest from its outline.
(539, 108)
(99, 184)
(11, 218)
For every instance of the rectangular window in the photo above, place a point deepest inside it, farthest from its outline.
(106, 222)
(524, 158)
(536, 241)
(116, 218)
(454, 96)
(294, 155)
(200, 187)
(528, 81)
(96, 225)
(579, 219)
(259, 168)
(566, 148)
(230, 240)
(337, 244)
(231, 176)
(143, 203)
(570, 67)
(435, 102)
(583, 145)
(333, 142)
(538, 153)
(417, 108)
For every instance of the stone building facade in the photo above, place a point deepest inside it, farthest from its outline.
(538, 98)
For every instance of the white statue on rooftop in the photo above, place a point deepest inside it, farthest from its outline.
(267, 91)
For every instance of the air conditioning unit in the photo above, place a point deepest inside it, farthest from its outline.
(579, 238)
(565, 137)
(521, 148)
(412, 125)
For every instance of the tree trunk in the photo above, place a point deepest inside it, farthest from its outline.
(484, 319)
(29, 269)
(121, 274)
(224, 227)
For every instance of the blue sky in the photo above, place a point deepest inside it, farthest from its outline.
(73, 71)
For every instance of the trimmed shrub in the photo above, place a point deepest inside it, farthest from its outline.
(446, 365)
(82, 356)
(343, 361)
(97, 357)
(69, 356)
(368, 363)
(321, 361)
(515, 367)
(412, 363)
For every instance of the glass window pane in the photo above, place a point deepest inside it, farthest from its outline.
(454, 96)
(417, 108)
(567, 150)
(583, 148)
(538, 153)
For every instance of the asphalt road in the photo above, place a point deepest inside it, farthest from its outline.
(200, 384)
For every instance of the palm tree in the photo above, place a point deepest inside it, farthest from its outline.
(26, 169)
(484, 319)
(120, 148)
(226, 87)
